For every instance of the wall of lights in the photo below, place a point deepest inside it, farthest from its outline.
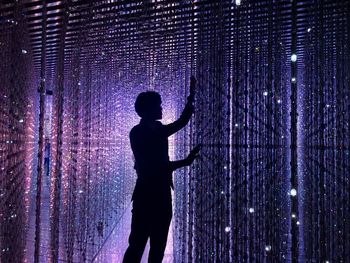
(17, 136)
(272, 115)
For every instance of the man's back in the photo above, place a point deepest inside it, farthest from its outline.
(149, 144)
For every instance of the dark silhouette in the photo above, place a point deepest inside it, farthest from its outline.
(152, 208)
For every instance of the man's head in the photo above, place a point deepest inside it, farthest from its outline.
(148, 105)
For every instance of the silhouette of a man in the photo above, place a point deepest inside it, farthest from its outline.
(152, 208)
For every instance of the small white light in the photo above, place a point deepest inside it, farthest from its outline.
(236, 124)
(265, 93)
(251, 210)
(81, 191)
(279, 101)
(309, 30)
(294, 80)
(227, 229)
(24, 51)
(21, 121)
(293, 215)
(298, 223)
(238, 2)
(293, 192)
(267, 248)
(293, 58)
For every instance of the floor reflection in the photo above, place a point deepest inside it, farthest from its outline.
(116, 244)
(112, 250)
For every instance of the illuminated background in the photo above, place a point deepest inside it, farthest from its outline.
(272, 113)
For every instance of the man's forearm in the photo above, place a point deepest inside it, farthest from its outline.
(178, 164)
(186, 114)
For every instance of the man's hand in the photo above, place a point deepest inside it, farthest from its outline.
(187, 161)
(193, 82)
(194, 154)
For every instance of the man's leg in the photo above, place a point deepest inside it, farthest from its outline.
(159, 234)
(138, 236)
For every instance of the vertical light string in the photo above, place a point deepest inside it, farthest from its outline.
(42, 92)
(294, 191)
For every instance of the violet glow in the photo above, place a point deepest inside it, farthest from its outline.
(272, 115)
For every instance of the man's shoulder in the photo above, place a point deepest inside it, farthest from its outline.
(134, 130)
(143, 129)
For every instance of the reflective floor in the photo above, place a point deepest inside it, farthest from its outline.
(112, 250)
(116, 244)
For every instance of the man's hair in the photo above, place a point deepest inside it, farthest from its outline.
(146, 101)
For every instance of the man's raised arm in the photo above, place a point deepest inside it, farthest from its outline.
(186, 113)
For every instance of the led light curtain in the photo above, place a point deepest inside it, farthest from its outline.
(272, 115)
(238, 203)
(17, 133)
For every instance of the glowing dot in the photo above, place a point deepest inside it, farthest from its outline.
(293, 192)
(265, 93)
(267, 248)
(298, 223)
(293, 215)
(293, 58)
(251, 210)
(238, 2)
(236, 125)
(21, 121)
(279, 101)
(24, 51)
(309, 29)
(227, 229)
(294, 79)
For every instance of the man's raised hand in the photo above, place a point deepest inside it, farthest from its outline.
(192, 89)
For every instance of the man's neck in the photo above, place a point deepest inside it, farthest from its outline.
(145, 120)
